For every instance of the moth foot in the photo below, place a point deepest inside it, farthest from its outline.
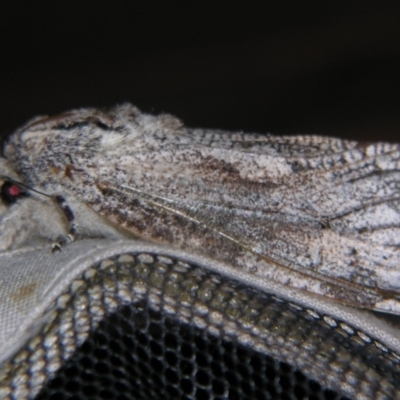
(65, 240)
(56, 247)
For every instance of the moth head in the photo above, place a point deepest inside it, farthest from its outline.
(10, 189)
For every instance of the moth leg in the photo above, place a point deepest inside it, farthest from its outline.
(73, 225)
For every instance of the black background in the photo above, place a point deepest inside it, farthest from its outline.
(286, 67)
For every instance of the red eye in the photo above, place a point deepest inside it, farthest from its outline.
(10, 192)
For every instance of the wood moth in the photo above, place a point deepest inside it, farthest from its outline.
(316, 213)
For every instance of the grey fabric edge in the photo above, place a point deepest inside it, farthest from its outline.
(77, 257)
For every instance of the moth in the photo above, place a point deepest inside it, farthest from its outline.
(315, 213)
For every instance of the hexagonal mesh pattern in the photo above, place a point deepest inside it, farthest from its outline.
(146, 355)
(146, 326)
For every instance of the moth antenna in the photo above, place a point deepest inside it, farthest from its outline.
(6, 178)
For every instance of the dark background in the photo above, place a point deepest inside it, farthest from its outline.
(289, 67)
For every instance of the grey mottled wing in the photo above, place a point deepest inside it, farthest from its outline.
(315, 213)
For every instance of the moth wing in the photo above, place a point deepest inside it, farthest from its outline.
(322, 208)
(317, 213)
